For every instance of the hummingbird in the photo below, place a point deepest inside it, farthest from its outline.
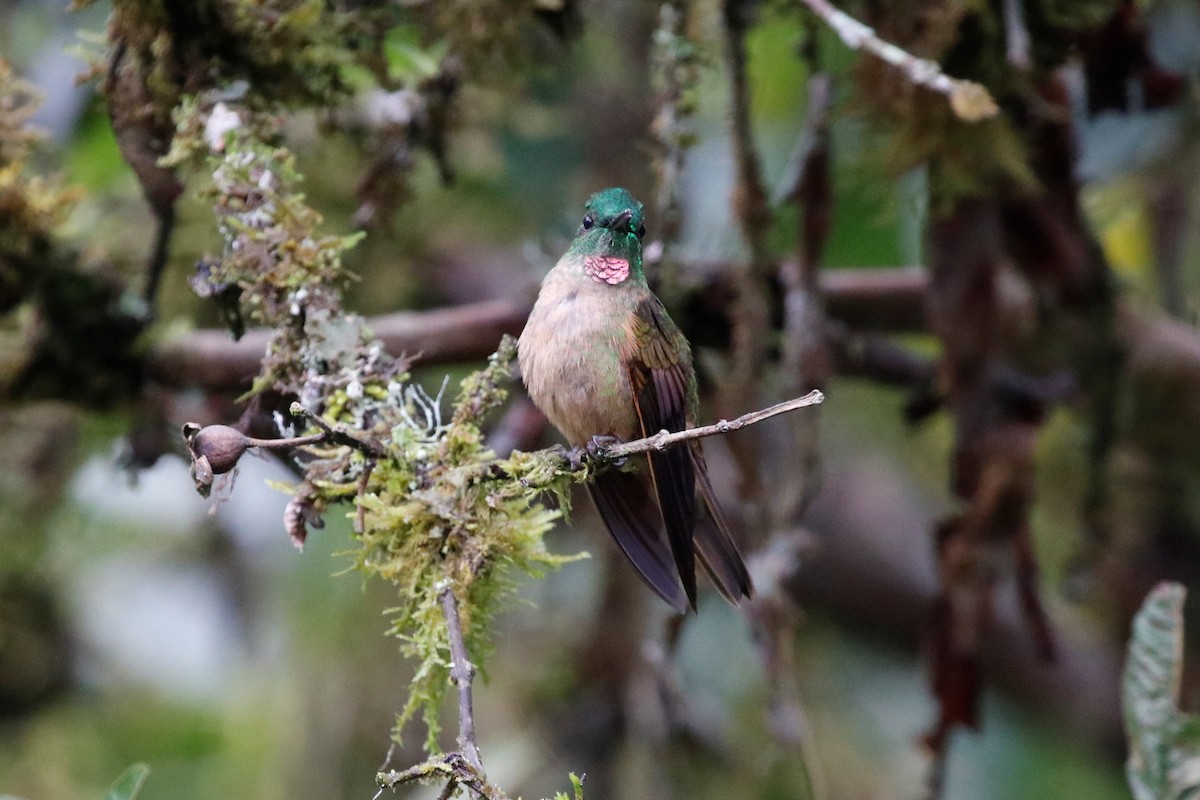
(602, 359)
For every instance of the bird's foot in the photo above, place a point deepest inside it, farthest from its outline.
(598, 444)
(575, 456)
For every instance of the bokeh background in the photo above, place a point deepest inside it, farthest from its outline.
(140, 623)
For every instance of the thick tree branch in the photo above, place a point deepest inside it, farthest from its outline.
(210, 358)
(876, 298)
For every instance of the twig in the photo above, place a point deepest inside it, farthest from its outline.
(387, 759)
(750, 202)
(773, 615)
(750, 199)
(664, 439)
(287, 443)
(452, 766)
(1171, 207)
(341, 434)
(360, 516)
(971, 101)
(676, 73)
(462, 672)
(448, 790)
(935, 777)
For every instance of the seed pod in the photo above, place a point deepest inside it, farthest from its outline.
(221, 445)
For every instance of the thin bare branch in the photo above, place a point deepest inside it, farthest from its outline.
(360, 516)
(463, 767)
(773, 615)
(804, 351)
(462, 673)
(664, 439)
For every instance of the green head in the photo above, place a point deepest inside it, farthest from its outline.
(610, 236)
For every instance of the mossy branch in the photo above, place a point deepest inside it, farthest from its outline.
(576, 461)
(454, 768)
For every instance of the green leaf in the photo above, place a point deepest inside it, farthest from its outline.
(1164, 742)
(129, 785)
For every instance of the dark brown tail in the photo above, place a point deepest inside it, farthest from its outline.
(715, 546)
(632, 517)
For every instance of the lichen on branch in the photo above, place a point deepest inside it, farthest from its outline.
(443, 513)
(434, 509)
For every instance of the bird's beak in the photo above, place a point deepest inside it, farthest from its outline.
(621, 221)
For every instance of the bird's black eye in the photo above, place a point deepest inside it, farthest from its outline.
(641, 231)
(588, 222)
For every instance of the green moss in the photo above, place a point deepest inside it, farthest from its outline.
(435, 509)
(440, 513)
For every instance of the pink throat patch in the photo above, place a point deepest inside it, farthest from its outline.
(606, 269)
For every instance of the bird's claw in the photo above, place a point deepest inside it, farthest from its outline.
(599, 444)
(574, 456)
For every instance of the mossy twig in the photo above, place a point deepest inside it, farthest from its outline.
(341, 434)
(453, 766)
